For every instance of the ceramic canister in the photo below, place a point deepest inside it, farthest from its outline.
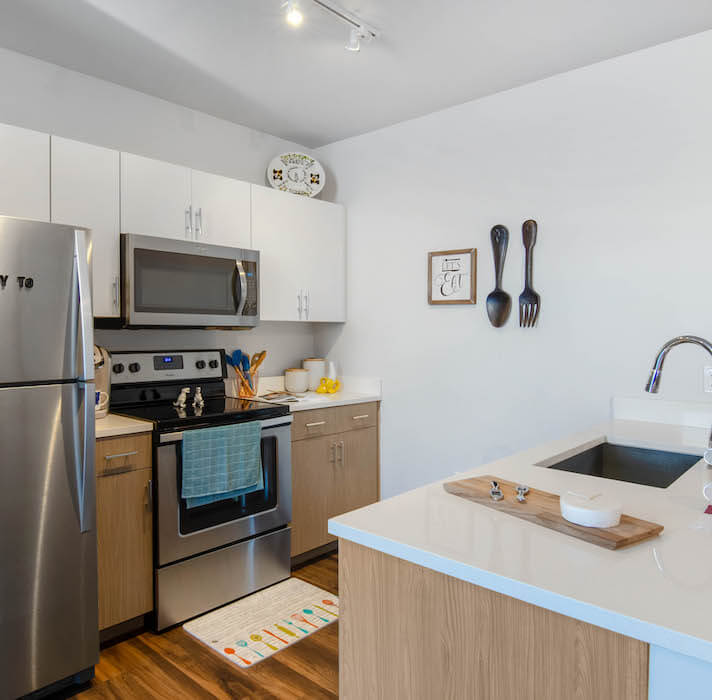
(296, 381)
(316, 368)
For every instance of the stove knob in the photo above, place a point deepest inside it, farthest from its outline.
(134, 367)
(200, 364)
(213, 364)
(118, 368)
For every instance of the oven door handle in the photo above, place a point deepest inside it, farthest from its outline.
(268, 424)
(240, 295)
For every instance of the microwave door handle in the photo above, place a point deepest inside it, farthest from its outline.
(241, 295)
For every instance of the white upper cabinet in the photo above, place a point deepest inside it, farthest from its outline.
(155, 197)
(85, 192)
(302, 244)
(221, 209)
(24, 173)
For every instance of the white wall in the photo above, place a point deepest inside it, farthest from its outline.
(46, 97)
(613, 161)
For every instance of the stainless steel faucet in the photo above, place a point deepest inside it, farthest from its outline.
(654, 379)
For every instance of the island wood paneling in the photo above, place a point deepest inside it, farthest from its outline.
(409, 632)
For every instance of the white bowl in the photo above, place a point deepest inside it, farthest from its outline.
(590, 510)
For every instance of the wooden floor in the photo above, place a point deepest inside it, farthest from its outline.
(173, 665)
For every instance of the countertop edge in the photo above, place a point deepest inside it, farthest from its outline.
(313, 404)
(607, 619)
(127, 426)
(333, 403)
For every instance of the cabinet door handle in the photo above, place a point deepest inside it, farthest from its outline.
(306, 304)
(149, 495)
(115, 290)
(332, 453)
(341, 453)
(299, 304)
(365, 415)
(189, 221)
(314, 425)
(199, 223)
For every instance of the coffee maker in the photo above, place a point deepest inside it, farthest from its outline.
(102, 369)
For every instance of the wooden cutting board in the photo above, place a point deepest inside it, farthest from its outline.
(542, 508)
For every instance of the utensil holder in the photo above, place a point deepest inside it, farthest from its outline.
(236, 388)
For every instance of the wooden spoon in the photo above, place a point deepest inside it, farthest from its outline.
(499, 303)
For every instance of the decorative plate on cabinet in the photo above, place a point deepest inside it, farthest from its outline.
(297, 173)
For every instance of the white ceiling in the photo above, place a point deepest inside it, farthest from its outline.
(239, 60)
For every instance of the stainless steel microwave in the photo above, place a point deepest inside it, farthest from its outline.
(174, 283)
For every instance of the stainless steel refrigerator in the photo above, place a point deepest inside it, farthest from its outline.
(48, 579)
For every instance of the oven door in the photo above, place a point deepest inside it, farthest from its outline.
(183, 532)
(168, 282)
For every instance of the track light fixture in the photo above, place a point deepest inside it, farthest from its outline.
(294, 15)
(359, 31)
(355, 36)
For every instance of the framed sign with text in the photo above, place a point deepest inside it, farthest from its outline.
(452, 276)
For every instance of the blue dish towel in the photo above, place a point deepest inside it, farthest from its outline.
(221, 463)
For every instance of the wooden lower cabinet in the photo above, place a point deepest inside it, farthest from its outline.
(124, 538)
(311, 482)
(331, 474)
(354, 482)
(406, 631)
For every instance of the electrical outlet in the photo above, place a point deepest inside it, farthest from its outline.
(708, 379)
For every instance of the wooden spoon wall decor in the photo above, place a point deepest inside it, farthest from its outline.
(499, 303)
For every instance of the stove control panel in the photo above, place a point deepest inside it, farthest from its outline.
(189, 365)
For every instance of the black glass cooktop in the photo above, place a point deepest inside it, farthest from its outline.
(216, 411)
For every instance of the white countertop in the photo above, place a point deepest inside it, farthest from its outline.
(355, 390)
(112, 426)
(658, 591)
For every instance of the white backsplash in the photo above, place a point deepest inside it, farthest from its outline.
(287, 344)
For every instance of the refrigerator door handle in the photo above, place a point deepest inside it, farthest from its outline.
(86, 317)
(83, 419)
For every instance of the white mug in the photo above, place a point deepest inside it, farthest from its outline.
(707, 491)
(102, 400)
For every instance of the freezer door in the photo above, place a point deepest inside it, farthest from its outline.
(48, 580)
(45, 303)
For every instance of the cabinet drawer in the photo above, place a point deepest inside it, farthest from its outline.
(315, 422)
(328, 421)
(123, 454)
(357, 415)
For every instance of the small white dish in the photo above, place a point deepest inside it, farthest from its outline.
(590, 509)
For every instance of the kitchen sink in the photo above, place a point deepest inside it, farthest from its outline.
(633, 464)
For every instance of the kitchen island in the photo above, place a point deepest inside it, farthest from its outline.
(442, 597)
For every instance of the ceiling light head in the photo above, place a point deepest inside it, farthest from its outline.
(354, 42)
(294, 15)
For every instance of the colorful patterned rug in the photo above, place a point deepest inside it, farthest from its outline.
(254, 628)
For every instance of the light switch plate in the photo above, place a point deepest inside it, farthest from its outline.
(708, 379)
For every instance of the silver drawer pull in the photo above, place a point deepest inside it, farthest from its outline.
(116, 471)
(365, 415)
(314, 425)
(108, 458)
